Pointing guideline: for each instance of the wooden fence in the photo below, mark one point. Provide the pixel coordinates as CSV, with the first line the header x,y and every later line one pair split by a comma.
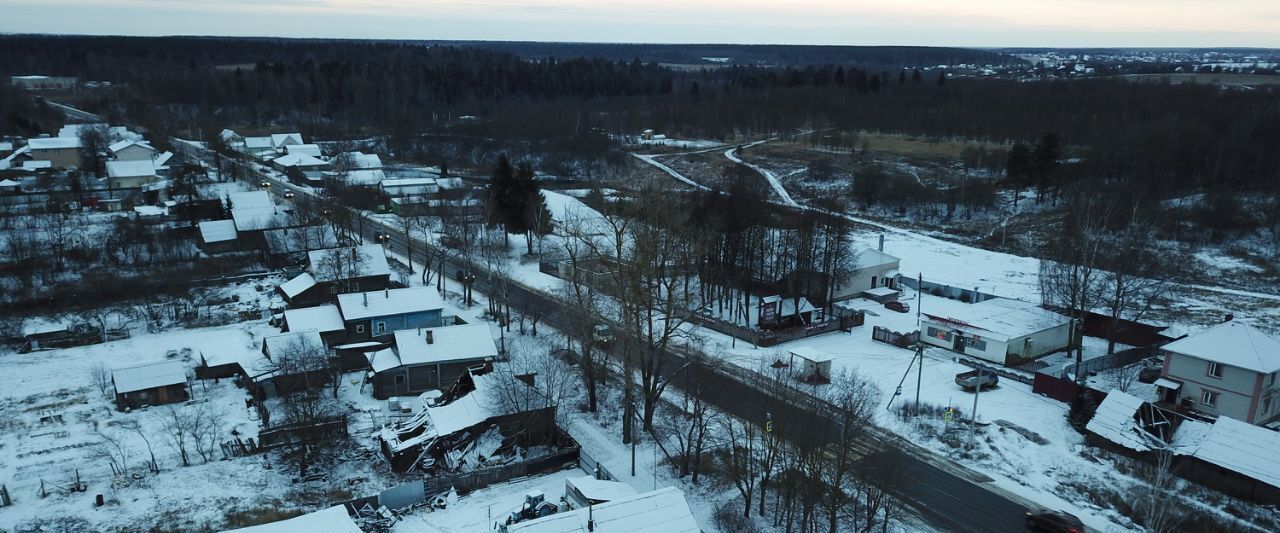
x,y
479,479
321,429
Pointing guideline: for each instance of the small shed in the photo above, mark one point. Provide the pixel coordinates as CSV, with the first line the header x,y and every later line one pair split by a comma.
x,y
815,366
150,384
217,236
325,319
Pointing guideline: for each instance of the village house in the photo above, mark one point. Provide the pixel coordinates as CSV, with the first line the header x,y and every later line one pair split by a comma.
x,y
130,150
150,384
302,291
294,360
312,150
1231,369
324,319
253,213
368,315
430,358
131,174
60,152
311,167
999,330
281,140
408,187
351,269
257,146
872,273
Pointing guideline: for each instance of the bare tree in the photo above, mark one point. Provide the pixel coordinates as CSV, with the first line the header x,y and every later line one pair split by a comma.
x,y
1133,279
95,146
103,317
113,449
134,426
1158,503
100,375
206,430
176,424
342,266
740,462
1070,273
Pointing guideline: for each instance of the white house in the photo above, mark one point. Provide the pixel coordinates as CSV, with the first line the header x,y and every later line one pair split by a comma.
x,y
131,174
869,269
998,330
128,150
397,188
281,140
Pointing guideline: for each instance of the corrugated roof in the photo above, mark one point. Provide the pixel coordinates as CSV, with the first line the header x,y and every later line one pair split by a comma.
x,y
218,230
660,511
324,318
309,340
298,285
148,376
250,200
1114,421
1001,318
131,169
448,344
372,262
1243,448
1233,343
54,143
361,305
600,489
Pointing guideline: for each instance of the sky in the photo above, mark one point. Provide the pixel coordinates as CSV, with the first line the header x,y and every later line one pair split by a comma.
x,y
970,23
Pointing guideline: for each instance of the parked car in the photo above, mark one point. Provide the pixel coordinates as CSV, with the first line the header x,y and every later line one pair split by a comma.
x,y
977,378
899,306
1056,521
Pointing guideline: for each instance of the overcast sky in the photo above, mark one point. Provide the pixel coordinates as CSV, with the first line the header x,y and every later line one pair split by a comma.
x,y
978,23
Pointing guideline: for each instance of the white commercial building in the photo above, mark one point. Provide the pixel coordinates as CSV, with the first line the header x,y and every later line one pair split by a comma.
x,y
998,330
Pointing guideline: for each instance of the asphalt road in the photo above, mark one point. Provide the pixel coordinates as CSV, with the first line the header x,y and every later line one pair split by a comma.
x,y
946,495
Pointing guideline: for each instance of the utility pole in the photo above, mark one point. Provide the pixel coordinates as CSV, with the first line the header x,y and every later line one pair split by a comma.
x,y
919,297
973,417
919,373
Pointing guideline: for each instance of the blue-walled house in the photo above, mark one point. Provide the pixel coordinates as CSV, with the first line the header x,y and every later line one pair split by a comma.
x,y
378,314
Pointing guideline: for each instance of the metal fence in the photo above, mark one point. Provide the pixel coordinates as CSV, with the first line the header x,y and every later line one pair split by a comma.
x,y
1108,362
901,340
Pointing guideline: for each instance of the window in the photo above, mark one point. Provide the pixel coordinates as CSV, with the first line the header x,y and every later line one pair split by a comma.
x,y
939,333
382,327
399,379
976,343
1215,370
1209,398
359,328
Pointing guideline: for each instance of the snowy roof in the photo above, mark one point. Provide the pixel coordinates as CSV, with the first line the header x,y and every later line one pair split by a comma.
x,y
163,159
298,160
361,305
150,210
1114,421
359,160
599,489
881,291
788,306
1232,343
279,343
250,199
116,147
383,360
408,182
363,177
871,257
131,169
1002,318
255,218
661,511
54,143
810,354
218,231
298,285
373,262
149,376
324,318
462,413
280,139
258,143
73,130
331,520
1243,448
448,344
8,183
289,240
303,149
228,136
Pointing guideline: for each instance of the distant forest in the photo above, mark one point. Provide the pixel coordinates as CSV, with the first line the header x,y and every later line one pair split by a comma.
x,y
1154,140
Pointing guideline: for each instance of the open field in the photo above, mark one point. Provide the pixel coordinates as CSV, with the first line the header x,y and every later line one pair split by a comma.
x,y
1240,80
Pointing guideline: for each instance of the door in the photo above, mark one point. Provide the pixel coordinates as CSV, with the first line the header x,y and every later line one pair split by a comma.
x,y
959,343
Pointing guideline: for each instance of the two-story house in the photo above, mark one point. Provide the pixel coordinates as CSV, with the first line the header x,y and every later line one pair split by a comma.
x,y
1231,369
378,314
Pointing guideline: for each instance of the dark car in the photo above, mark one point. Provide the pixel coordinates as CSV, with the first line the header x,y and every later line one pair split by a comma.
x,y
899,306
1056,521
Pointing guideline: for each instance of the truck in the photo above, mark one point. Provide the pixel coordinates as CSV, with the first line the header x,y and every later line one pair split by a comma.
x,y
977,378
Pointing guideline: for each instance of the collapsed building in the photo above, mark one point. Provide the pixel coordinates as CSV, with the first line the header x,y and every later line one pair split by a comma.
x,y
478,422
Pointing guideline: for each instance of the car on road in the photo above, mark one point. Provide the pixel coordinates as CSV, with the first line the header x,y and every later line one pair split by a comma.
x,y
1056,521
899,306
288,195
265,184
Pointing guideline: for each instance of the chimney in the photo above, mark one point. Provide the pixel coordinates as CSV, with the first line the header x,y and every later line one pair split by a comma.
x,y
881,242
366,298
430,338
